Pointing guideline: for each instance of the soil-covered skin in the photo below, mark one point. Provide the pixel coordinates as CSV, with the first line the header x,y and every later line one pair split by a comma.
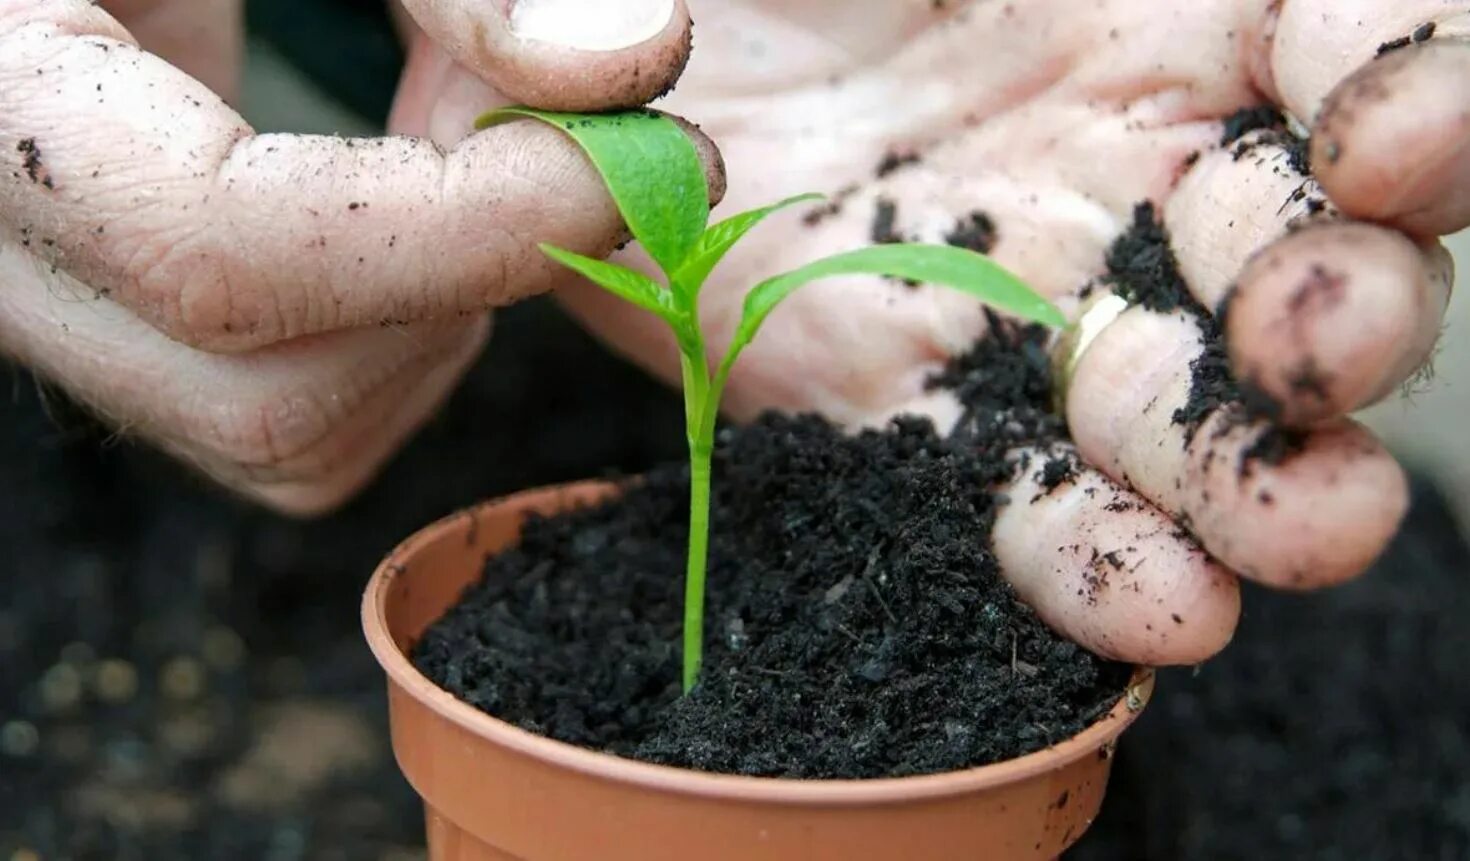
x,y
1275,131
1142,269
1423,33
1332,728
858,623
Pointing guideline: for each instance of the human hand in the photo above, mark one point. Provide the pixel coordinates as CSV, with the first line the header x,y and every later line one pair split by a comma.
x,y
1054,120
283,310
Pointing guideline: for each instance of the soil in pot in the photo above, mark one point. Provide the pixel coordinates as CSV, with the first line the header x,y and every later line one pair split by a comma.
x,y
857,623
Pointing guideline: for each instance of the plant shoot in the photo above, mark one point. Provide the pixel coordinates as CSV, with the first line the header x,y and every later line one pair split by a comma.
x,y
658,184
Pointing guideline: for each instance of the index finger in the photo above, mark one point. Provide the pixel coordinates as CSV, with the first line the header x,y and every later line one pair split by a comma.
x,y
137,180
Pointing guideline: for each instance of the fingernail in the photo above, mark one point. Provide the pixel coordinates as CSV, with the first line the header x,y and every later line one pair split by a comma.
x,y
590,25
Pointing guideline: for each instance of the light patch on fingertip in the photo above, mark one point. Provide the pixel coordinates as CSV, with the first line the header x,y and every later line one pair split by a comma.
x,y
590,25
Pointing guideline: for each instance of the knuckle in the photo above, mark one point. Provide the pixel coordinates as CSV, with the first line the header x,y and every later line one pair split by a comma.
x,y
187,287
300,438
287,451
265,434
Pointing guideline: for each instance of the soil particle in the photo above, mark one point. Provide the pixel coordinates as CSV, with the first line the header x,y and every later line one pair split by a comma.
x,y
884,231
1058,471
832,207
1272,447
885,214
893,161
1246,120
975,231
866,629
1275,132
1142,268
1423,33
31,161
1298,153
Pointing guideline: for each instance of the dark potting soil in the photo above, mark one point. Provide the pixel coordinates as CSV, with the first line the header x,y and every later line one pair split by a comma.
x,y
858,625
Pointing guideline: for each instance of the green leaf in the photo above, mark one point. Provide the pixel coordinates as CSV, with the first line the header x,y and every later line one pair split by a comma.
x,y
719,239
958,268
651,169
624,283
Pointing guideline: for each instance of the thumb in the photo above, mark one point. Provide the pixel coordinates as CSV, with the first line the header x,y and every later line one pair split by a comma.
x,y
570,55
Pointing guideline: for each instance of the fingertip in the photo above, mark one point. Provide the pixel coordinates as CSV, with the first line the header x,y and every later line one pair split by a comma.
x,y
1370,494
1392,141
566,55
1298,512
1109,571
1330,319
709,155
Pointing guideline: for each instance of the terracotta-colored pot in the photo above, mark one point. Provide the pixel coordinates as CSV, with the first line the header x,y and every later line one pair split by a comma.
x,y
493,791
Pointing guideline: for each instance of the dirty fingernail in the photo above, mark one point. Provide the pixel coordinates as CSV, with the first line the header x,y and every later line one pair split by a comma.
x,y
590,25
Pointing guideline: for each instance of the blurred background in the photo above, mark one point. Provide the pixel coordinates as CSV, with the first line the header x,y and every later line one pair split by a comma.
x,y
182,677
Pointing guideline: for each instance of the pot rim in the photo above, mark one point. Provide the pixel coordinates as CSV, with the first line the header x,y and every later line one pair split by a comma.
x,y
1099,735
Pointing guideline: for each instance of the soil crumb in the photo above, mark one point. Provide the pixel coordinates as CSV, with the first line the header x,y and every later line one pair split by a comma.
x,y
1423,33
857,624
885,215
830,208
1247,120
1277,132
30,158
975,231
893,161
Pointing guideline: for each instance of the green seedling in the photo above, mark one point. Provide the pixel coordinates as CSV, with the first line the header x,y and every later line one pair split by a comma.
x,y
656,180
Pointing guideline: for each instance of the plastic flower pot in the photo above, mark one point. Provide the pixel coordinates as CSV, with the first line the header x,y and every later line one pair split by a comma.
x,y
493,791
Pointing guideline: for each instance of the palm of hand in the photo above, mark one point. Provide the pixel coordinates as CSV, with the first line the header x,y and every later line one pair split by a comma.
x,y
1053,122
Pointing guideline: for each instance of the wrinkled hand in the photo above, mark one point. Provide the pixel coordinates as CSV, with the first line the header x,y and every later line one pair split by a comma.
x,y
1055,118
284,310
